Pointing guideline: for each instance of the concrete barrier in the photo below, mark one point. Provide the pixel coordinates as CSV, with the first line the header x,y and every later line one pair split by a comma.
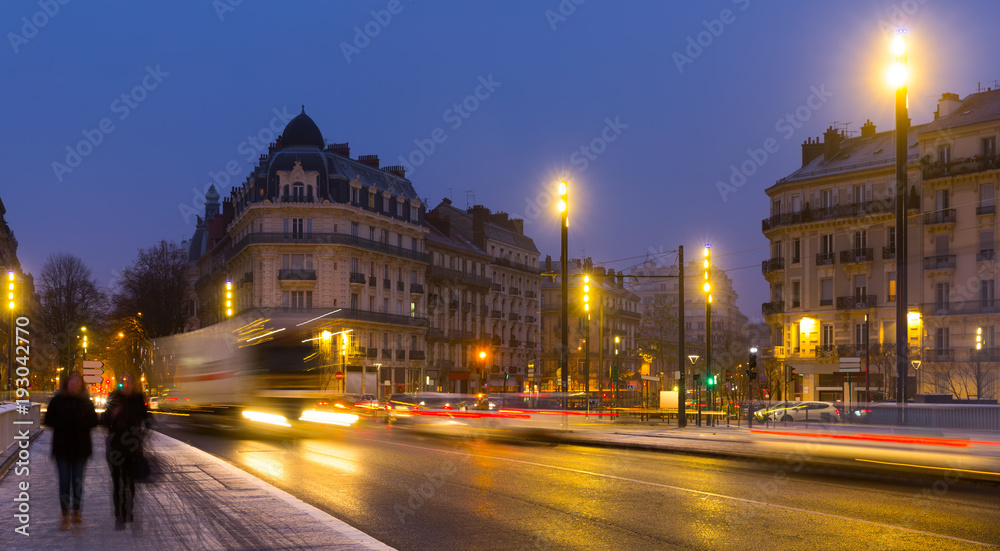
x,y
11,423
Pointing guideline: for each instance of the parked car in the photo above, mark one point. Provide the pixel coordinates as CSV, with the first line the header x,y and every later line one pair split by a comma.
x,y
823,412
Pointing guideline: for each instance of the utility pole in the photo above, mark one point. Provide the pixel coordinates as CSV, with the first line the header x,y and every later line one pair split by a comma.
x,y
708,327
586,352
902,129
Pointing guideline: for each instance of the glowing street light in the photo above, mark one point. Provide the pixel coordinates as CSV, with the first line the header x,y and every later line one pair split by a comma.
x,y
898,79
564,289
229,299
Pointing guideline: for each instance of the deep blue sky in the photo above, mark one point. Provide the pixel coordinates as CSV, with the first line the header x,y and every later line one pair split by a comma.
x,y
652,188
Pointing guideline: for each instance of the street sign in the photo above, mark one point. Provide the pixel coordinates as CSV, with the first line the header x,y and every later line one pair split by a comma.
x,y
339,375
650,378
850,360
677,375
850,369
93,372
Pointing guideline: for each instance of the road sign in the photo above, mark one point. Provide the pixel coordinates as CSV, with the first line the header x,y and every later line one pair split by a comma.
x,y
850,360
650,378
677,375
850,368
339,375
93,372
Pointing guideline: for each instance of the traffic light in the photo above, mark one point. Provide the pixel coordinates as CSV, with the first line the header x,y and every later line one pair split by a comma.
x,y
790,369
753,358
710,381
506,376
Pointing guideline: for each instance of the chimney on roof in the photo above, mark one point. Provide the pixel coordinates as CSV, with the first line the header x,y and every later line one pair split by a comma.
x,y
517,225
868,129
548,263
621,279
395,170
831,143
479,215
442,224
948,104
810,150
369,160
342,149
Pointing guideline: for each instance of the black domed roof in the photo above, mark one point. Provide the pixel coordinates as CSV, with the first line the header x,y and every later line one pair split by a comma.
x,y
302,131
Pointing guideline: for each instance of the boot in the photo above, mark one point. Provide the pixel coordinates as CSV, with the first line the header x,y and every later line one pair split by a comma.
x,y
66,522
76,516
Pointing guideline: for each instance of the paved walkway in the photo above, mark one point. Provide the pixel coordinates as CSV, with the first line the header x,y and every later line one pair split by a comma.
x,y
201,502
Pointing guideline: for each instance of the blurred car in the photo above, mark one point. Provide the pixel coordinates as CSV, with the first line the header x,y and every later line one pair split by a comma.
x,y
412,407
765,412
823,412
154,402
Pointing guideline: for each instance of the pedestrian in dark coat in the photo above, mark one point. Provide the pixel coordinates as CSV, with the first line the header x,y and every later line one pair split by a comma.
x,y
126,418
71,415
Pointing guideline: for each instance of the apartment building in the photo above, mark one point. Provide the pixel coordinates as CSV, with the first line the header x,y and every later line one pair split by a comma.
x,y
832,263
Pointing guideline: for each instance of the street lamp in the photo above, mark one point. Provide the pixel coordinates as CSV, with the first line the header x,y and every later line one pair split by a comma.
x,y
586,352
707,287
897,78
564,238
229,299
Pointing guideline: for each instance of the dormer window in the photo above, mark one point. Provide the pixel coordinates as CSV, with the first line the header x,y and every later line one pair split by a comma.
x,y
298,192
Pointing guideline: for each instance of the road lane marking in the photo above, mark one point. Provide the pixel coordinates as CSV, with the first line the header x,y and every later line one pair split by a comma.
x,y
926,467
696,492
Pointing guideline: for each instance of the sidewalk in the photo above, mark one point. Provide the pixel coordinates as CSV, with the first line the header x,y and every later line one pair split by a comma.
x,y
200,502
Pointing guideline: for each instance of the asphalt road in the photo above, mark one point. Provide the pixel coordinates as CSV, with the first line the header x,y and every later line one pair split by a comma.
x,y
414,491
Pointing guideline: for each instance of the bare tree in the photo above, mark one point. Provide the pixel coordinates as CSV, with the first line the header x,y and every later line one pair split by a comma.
x,y
155,285
69,300
658,334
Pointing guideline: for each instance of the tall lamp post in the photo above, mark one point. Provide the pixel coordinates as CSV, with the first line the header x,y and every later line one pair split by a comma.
x,y
482,359
707,287
897,77
586,352
564,238
13,341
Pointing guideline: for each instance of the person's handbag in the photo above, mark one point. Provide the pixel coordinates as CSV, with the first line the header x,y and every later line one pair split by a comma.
x,y
146,468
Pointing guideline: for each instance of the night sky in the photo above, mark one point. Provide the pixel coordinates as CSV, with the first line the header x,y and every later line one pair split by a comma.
x,y
618,97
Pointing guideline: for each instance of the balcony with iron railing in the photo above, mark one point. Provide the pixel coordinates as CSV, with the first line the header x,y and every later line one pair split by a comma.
x,y
968,165
985,255
495,288
416,288
851,350
529,344
400,286
357,277
514,265
943,216
856,256
387,284
826,351
418,355
826,259
496,314
529,319
530,294
939,262
772,265
514,291
514,316
850,210
297,274
401,354
324,239
962,308
456,275
372,281
856,302
889,252
986,209
772,308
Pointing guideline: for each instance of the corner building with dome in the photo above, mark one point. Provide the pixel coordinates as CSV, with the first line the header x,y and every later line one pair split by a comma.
x,y
317,245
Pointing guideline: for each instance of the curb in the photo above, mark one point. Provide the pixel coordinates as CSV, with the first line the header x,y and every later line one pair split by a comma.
x,y
797,464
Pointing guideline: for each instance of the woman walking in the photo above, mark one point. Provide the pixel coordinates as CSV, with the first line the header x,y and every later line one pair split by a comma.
x,y
125,417
71,415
